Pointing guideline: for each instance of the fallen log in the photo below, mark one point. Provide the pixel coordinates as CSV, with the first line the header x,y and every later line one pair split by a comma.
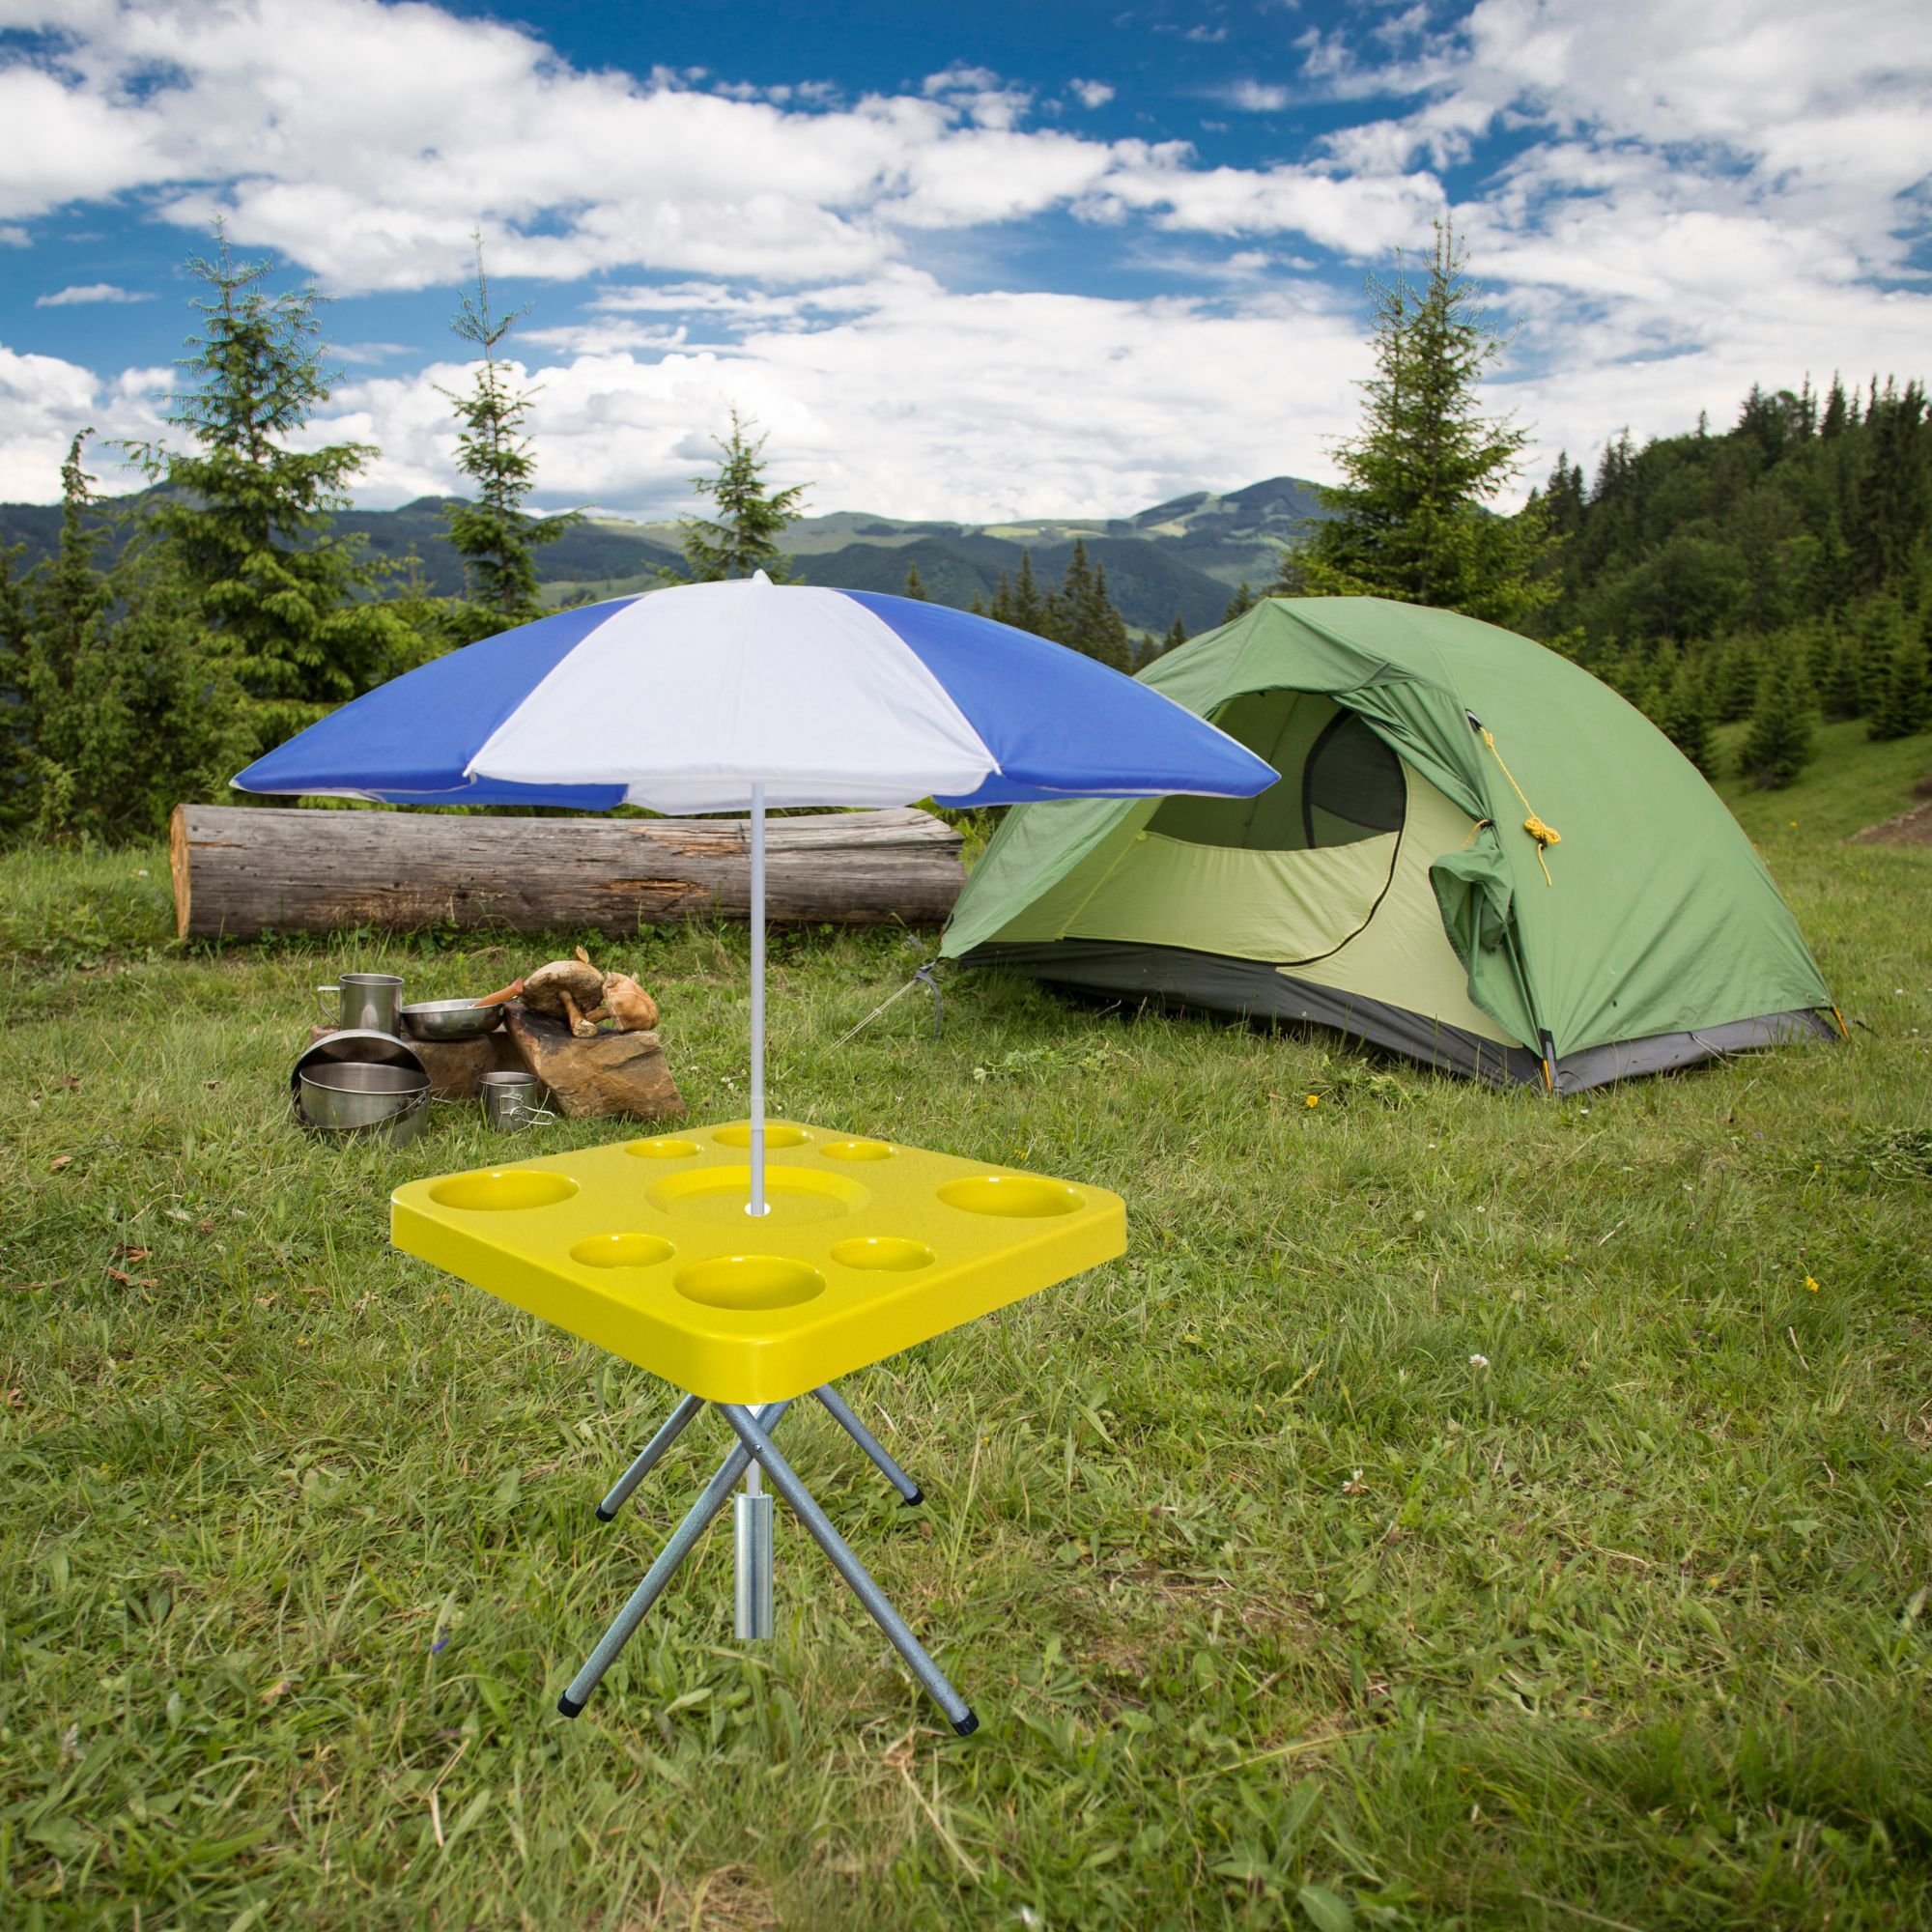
x,y
241,870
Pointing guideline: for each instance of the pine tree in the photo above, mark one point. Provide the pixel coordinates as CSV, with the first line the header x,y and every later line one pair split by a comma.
x,y
915,586
1904,704
247,517
1103,628
1239,604
743,537
1025,606
1894,496
1781,739
17,750
1411,522
495,537
1683,717
124,709
1176,635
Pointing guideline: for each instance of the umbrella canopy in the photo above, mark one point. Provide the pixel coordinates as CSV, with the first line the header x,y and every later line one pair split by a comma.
x,y
735,695
683,700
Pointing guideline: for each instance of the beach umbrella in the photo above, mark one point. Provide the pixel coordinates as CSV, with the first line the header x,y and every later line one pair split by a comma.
x,y
746,696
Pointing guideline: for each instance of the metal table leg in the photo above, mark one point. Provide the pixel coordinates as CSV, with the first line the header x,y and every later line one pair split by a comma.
x,y
835,1404
757,1441
716,1493
650,1455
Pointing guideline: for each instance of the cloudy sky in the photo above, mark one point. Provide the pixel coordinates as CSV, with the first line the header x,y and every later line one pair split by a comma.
x,y
999,260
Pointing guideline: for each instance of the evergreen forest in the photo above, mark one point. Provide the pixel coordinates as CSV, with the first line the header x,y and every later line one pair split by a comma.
x,y
1779,569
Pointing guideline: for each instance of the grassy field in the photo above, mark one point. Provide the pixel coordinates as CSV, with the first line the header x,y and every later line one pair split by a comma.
x,y
1458,1509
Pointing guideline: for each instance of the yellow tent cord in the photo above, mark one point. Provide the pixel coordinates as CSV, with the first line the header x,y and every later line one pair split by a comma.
x,y
1543,834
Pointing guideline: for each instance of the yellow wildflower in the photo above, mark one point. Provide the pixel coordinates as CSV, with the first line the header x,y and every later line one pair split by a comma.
x,y
1313,1100
1810,1284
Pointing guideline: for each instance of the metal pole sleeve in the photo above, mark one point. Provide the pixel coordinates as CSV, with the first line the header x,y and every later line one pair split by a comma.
x,y
757,911
717,1493
785,1482
650,1455
868,1442
751,1544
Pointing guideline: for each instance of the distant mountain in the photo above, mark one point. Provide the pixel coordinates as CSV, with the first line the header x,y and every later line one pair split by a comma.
x,y
1183,556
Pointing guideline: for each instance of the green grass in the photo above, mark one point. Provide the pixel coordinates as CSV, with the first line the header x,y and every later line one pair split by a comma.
x,y
1457,1510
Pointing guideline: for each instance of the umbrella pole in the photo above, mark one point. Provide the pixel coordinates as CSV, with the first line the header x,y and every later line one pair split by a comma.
x,y
757,1205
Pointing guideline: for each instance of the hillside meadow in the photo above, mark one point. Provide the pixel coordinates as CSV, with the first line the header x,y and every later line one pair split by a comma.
x,y
1458,1508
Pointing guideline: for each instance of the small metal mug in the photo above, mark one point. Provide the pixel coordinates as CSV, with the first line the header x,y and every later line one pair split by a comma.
x,y
370,999
510,1100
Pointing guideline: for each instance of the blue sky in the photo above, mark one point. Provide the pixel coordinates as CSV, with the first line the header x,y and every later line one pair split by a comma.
x,y
979,262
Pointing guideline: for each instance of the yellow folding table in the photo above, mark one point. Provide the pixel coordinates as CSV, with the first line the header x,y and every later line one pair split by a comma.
x,y
645,1248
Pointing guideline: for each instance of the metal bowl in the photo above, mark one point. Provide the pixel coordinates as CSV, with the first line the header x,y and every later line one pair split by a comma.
x,y
348,1096
451,1019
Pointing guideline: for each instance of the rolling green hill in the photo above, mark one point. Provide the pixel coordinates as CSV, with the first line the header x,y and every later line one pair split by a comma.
x,y
1185,555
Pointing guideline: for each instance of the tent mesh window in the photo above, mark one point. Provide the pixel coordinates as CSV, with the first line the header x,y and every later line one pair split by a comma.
x,y
1340,784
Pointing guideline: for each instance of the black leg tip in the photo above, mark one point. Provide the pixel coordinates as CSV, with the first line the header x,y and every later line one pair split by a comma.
x,y
569,1705
913,1501
606,1516
967,1725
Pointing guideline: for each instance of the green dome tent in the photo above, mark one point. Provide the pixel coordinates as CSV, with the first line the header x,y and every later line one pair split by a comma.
x,y
1477,855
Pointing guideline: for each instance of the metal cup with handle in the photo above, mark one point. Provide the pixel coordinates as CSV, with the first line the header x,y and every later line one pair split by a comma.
x,y
510,1100
369,1000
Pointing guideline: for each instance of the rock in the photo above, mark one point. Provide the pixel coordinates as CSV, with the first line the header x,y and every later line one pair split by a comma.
x,y
456,1066
611,1072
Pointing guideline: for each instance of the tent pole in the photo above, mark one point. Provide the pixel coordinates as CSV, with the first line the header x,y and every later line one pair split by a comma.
x,y
756,1206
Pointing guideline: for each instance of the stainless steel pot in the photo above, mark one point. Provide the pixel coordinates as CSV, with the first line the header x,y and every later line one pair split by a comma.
x,y
384,1071
351,1094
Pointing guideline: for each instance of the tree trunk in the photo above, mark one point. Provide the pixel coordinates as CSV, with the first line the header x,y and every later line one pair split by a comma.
x,y
239,871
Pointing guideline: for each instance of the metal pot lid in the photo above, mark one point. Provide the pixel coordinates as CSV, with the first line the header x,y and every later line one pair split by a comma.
x,y
358,1043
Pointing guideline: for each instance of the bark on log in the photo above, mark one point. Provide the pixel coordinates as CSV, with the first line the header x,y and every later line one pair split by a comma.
x,y
240,871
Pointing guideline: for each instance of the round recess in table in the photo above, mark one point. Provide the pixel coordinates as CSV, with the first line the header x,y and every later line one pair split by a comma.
x,y
623,1251
662,1147
856,1150
793,1195
1016,1196
750,1282
777,1134
883,1251
502,1188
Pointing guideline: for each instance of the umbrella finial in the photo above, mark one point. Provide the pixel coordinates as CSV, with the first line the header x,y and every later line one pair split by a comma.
x,y
760,576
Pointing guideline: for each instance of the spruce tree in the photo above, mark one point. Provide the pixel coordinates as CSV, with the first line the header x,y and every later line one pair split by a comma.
x,y
1239,604
247,517
494,536
915,586
743,537
1025,608
1781,740
1411,520
125,708
16,753
1683,715
1904,706
1176,635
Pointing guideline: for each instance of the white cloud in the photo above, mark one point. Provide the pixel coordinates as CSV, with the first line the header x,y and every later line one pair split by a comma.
x,y
367,141
92,291
44,402
1674,202
1256,96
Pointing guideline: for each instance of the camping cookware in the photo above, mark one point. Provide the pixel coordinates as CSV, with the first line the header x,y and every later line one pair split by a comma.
x,y
451,1019
371,1001
510,1101
344,1096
